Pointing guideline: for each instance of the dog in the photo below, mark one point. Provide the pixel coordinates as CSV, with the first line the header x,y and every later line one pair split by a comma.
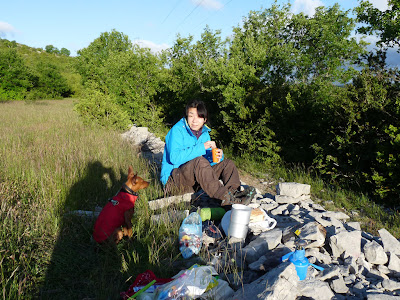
x,y
115,219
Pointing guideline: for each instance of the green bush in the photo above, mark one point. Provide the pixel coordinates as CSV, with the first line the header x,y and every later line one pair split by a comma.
x,y
98,107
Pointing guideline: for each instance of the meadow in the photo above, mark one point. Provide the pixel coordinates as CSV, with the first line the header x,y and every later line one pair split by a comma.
x,y
52,164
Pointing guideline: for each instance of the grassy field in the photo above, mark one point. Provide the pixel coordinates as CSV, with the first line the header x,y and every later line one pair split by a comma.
x,y
52,164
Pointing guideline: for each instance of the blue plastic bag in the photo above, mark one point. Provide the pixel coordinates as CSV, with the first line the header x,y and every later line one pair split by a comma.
x,y
190,235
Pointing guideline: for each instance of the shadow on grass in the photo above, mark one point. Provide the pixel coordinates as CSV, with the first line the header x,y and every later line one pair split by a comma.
x,y
79,268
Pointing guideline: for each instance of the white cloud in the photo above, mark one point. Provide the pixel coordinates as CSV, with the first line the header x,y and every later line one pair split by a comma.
x,y
153,46
209,4
380,4
306,6
6,28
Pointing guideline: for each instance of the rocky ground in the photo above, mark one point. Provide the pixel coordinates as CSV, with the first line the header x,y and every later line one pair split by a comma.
x,y
342,261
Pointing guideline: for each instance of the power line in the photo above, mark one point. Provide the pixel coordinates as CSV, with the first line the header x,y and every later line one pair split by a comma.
x,y
176,5
190,13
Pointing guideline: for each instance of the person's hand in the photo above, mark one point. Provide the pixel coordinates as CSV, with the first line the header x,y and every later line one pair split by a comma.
x,y
210,144
219,154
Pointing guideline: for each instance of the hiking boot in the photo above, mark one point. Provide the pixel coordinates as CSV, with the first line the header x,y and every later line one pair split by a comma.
x,y
230,199
246,195
243,197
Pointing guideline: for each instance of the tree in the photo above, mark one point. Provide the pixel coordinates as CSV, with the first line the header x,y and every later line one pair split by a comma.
x,y
49,83
384,23
65,52
90,61
52,49
15,77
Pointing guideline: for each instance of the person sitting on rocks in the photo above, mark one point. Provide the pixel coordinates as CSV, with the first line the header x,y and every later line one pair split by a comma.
x,y
187,163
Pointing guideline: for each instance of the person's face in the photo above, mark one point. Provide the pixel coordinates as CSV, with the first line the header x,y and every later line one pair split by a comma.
x,y
195,122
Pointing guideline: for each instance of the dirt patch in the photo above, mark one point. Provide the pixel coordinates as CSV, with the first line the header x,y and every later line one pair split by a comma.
x,y
263,185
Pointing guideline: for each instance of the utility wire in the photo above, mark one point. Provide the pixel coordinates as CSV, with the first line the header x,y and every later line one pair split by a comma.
x,y
198,4
176,5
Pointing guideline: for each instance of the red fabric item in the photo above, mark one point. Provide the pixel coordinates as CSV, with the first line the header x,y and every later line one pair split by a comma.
x,y
142,280
112,216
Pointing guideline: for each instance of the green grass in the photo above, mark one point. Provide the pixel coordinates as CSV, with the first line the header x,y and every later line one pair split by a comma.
x,y
50,164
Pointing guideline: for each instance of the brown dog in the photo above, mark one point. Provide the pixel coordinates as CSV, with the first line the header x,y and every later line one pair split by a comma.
x,y
114,221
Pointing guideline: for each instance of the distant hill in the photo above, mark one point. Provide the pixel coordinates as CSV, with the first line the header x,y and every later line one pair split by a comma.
x,y
44,70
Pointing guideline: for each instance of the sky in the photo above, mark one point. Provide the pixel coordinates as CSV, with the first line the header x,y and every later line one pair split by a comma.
x,y
74,24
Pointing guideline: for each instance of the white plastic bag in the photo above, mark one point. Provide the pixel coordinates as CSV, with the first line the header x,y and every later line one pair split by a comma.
x,y
190,235
189,285
267,224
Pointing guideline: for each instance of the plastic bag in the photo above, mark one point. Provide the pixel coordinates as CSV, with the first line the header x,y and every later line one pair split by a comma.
x,y
142,280
268,223
189,285
190,235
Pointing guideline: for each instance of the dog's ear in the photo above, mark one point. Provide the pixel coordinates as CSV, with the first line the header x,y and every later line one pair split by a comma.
x,y
130,170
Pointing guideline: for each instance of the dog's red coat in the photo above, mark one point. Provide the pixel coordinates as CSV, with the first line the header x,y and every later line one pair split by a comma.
x,y
112,216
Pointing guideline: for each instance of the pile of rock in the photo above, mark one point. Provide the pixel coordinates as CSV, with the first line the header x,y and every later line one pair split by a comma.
x,y
151,147
357,265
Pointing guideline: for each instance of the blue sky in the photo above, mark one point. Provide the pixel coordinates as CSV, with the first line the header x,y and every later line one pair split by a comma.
x,y
75,24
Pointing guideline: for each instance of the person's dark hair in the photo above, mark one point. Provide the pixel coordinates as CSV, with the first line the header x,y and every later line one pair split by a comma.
x,y
201,108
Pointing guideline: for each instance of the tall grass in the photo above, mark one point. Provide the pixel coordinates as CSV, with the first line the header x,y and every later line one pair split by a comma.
x,y
52,164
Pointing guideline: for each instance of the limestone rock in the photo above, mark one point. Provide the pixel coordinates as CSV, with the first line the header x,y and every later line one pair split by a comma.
x,y
390,285
346,241
390,243
336,214
264,242
374,253
314,232
339,286
394,263
315,289
278,284
293,189
283,199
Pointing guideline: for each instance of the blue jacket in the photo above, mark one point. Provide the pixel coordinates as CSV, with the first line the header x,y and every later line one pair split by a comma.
x,y
181,146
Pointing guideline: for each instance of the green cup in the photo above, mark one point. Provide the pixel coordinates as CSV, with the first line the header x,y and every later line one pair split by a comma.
x,y
213,214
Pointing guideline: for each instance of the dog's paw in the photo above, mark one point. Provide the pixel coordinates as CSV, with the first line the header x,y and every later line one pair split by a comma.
x,y
128,232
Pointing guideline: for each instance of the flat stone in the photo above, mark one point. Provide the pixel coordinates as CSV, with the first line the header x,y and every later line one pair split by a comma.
x,y
394,262
279,210
270,260
293,189
346,241
314,232
350,279
269,206
264,242
383,269
390,243
376,296
283,199
318,207
315,289
353,226
323,221
339,286
328,273
390,285
279,284
336,214
337,223
374,253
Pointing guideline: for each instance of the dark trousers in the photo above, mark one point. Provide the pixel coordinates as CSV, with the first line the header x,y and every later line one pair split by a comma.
x,y
199,173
